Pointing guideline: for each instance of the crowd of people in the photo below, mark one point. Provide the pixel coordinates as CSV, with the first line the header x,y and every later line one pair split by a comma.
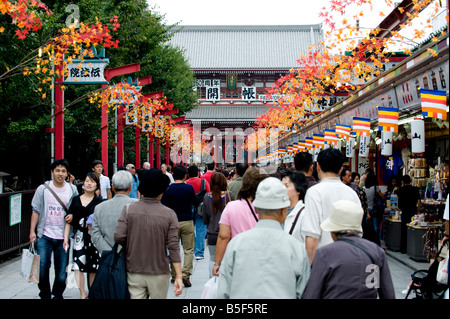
x,y
307,231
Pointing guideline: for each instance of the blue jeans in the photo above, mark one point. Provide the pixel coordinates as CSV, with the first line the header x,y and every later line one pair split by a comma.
x,y
45,247
200,236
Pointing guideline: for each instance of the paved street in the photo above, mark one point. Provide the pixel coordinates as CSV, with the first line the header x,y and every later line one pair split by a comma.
x,y
13,286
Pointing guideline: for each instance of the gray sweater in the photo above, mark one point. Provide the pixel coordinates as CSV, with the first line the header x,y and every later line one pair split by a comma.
x,y
39,203
104,224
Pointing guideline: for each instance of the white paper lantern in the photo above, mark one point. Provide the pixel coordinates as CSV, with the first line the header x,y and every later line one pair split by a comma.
x,y
364,146
386,143
417,136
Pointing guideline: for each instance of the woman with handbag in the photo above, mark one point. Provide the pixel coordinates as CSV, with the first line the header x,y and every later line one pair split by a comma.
x,y
375,206
213,205
240,215
85,255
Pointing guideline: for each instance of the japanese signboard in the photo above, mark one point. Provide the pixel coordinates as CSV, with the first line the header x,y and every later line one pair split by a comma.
x,y
249,93
15,209
86,72
212,89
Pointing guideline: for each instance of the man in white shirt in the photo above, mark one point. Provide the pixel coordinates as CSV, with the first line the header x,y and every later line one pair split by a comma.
x,y
320,198
265,262
105,184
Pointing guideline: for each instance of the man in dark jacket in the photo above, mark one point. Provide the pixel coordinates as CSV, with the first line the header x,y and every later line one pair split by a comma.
x,y
409,204
181,198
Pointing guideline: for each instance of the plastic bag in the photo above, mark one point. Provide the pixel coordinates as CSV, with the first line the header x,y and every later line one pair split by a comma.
x,y
29,267
210,288
442,272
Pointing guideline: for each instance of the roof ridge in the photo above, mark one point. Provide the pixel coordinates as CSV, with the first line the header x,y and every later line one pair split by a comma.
x,y
223,28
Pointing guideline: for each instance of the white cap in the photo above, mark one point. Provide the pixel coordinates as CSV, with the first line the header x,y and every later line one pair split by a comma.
x,y
345,215
271,194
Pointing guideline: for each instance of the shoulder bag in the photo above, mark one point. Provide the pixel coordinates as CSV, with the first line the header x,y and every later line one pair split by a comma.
x,y
57,198
110,281
199,208
295,220
250,206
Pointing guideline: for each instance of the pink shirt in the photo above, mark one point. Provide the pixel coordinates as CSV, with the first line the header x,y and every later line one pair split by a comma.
x,y
238,216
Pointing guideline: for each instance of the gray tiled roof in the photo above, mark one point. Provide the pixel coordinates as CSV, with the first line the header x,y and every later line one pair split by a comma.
x,y
245,47
226,112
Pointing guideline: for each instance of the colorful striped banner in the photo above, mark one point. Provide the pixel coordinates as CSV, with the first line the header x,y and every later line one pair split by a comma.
x,y
434,103
318,140
309,143
343,131
330,136
388,119
301,145
295,147
290,149
361,126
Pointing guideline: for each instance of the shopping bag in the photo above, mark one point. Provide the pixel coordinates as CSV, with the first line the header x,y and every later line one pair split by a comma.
x,y
442,272
70,280
111,278
29,266
210,288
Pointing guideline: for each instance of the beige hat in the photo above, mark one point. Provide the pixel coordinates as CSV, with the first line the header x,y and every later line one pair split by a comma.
x,y
271,194
345,215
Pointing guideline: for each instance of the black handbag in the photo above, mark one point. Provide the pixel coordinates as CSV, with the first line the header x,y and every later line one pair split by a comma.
x,y
111,278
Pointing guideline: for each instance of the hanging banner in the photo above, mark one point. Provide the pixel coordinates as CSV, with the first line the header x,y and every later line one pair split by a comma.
x,y
350,149
434,103
417,136
386,143
387,119
364,146
361,126
343,131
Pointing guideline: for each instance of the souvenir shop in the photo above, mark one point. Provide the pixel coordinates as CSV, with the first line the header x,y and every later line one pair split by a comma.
x,y
422,152
418,146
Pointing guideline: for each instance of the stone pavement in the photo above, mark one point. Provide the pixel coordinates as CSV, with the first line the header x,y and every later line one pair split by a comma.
x,y
13,286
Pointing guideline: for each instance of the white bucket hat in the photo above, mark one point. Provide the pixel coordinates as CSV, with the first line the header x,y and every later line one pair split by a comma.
x,y
271,194
345,215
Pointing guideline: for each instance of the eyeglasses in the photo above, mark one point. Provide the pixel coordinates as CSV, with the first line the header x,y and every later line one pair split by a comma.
x,y
132,167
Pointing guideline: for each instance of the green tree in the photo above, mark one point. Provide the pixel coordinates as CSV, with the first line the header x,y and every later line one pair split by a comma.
x,y
143,36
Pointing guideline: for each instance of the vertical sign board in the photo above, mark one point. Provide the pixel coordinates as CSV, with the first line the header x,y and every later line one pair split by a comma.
x,y
212,90
15,209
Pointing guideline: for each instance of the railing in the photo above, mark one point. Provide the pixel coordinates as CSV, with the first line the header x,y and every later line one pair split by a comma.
x,y
14,237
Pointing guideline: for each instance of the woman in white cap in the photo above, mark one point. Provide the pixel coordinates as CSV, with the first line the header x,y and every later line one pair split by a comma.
x,y
351,267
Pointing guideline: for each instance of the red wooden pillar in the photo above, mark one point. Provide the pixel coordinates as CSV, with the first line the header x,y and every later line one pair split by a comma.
x,y
120,136
59,115
109,74
158,153
104,136
167,152
137,148
150,150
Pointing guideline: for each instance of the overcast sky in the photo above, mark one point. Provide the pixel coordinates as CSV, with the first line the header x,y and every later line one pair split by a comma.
x,y
245,12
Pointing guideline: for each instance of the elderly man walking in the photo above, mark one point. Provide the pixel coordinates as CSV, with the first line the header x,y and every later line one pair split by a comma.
x,y
265,262
107,213
351,267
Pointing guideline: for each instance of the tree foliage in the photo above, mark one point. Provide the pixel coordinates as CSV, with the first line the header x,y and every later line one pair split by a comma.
x,y
26,95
